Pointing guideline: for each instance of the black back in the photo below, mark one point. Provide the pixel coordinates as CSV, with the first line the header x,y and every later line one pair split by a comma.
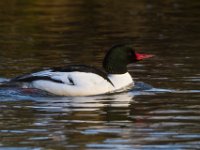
x,y
82,68
70,68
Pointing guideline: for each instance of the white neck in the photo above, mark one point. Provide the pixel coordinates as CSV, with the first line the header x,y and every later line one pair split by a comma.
x,y
121,80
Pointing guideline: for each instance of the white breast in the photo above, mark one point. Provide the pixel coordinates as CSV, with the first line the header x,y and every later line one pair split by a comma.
x,y
121,80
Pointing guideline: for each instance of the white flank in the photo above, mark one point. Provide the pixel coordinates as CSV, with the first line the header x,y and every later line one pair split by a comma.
x,y
85,84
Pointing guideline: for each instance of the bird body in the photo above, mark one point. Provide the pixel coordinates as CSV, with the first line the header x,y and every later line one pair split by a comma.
x,y
82,80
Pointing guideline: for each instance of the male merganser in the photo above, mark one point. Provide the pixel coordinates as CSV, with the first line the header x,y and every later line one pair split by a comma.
x,y
82,80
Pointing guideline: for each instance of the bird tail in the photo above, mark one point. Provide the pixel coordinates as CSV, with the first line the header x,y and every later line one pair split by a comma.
x,y
8,83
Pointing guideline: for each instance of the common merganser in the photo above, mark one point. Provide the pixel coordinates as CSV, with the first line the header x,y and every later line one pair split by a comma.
x,y
82,80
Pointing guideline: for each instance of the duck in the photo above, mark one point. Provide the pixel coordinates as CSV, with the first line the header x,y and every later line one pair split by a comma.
x,y
85,80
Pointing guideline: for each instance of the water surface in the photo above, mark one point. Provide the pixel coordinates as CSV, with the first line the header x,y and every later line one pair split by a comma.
x,y
161,112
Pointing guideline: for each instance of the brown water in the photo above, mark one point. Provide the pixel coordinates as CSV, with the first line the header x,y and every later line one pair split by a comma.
x,y
162,112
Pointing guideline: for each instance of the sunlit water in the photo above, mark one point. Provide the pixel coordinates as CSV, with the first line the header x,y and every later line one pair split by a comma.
x,y
161,112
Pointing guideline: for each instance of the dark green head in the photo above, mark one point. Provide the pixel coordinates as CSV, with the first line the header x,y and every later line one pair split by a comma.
x,y
119,56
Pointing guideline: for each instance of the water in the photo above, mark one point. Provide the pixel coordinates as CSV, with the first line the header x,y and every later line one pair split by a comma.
x,y
161,112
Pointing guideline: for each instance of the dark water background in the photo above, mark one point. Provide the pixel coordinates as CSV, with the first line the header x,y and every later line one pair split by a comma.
x,y
40,33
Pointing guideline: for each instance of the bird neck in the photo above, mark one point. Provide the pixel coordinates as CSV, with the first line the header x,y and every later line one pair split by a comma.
x,y
113,66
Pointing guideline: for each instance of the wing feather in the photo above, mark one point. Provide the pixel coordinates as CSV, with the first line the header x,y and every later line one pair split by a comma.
x,y
42,75
60,74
